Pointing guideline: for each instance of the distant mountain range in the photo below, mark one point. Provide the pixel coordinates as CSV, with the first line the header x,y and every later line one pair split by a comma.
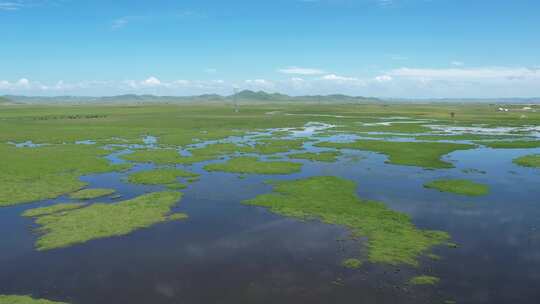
x,y
244,97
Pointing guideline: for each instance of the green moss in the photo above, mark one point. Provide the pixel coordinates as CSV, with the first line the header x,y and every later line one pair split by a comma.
x,y
87,194
166,176
421,154
392,238
254,166
51,209
322,156
31,174
433,257
104,220
516,144
458,186
424,280
528,161
24,300
352,263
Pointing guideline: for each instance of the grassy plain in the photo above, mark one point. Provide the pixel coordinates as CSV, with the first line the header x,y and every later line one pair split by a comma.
x,y
330,156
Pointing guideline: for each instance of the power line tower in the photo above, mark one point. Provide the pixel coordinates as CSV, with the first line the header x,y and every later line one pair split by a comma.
x,y
235,100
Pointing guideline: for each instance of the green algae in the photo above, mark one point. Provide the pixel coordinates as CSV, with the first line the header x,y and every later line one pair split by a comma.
x,y
32,174
51,209
97,221
330,156
424,280
392,238
352,263
254,166
532,161
14,299
515,144
87,194
458,186
165,176
421,154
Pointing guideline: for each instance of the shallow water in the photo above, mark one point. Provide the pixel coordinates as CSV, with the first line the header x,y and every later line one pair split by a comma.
x,y
227,252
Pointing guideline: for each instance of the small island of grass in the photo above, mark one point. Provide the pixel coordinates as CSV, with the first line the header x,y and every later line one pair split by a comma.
x,y
532,161
421,154
424,280
392,238
352,263
458,186
254,166
87,194
11,299
96,221
51,209
514,144
166,176
322,156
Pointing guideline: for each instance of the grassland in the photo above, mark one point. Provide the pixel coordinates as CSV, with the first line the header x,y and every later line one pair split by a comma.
x,y
252,165
392,238
272,146
11,299
424,280
87,194
70,227
330,156
31,174
532,161
421,154
458,186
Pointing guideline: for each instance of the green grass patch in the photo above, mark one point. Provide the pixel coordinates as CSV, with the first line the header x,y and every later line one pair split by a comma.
x,y
459,186
392,238
421,154
395,127
272,146
51,209
166,176
254,166
321,156
87,194
424,280
528,161
352,263
32,174
97,221
516,144
465,136
11,299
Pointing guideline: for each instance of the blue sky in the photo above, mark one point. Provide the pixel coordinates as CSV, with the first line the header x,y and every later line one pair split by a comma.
x,y
385,48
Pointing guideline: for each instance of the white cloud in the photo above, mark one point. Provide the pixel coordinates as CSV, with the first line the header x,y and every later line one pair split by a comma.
x,y
457,63
334,77
383,78
10,6
301,71
151,82
495,73
120,23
